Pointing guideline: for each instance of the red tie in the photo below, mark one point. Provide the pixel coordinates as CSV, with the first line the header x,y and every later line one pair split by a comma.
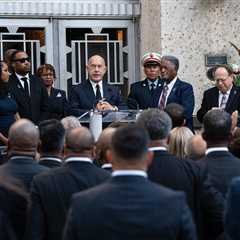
x,y
163,98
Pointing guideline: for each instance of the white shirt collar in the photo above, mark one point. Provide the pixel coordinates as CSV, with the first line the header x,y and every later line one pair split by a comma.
x,y
106,165
216,149
227,93
51,159
78,159
20,79
157,149
100,83
129,173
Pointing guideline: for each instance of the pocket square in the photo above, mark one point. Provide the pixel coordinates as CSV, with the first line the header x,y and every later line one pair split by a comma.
x,y
59,95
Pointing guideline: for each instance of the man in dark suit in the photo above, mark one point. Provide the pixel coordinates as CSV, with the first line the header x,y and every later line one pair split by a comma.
x,y
232,216
174,90
221,164
23,141
224,95
145,94
129,206
94,92
52,136
28,90
51,192
205,202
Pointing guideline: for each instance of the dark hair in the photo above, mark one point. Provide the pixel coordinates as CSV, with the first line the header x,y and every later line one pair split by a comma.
x,y
12,58
157,123
130,142
47,67
52,135
217,125
173,60
4,86
176,113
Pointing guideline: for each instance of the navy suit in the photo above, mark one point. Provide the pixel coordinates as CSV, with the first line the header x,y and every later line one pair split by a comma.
x,y
51,193
34,107
140,97
58,104
129,207
82,97
232,216
210,100
50,161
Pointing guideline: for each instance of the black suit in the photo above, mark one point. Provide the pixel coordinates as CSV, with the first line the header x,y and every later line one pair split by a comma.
x,y
210,100
141,97
222,167
51,194
50,161
205,202
129,207
22,168
82,97
34,107
58,104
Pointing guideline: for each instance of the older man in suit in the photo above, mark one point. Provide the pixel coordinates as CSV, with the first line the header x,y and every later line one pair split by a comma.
x,y
180,174
28,90
94,92
224,95
51,192
129,206
145,94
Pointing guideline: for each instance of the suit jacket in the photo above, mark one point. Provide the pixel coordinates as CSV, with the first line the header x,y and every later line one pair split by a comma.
x,y
50,161
205,202
232,216
140,97
182,93
51,193
222,167
21,168
129,207
82,97
34,107
210,100
58,104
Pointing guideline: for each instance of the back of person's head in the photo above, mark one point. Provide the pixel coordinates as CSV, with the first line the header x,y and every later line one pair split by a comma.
x,y
196,147
103,145
176,113
79,141
178,139
217,126
129,144
52,135
23,137
70,122
157,123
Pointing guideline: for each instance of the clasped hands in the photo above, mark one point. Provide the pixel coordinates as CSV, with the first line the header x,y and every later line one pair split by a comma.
x,y
104,106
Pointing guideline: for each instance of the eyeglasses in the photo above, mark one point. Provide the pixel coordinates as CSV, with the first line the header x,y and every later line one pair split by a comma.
x,y
221,80
22,60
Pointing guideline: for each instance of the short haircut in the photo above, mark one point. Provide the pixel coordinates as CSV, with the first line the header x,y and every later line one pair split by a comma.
x,y
217,125
70,122
173,60
130,142
176,113
157,123
47,67
12,58
52,135
227,67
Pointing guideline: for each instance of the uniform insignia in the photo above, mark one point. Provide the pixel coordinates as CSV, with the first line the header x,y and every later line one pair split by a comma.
x,y
144,85
18,86
59,95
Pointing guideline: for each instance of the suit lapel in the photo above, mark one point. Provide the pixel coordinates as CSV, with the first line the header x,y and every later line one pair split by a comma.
x,y
231,99
89,92
173,92
215,98
107,91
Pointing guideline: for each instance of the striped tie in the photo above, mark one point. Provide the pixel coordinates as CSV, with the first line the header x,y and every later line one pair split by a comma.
x,y
163,98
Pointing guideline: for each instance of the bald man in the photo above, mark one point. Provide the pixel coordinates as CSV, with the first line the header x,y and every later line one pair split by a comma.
x,y
23,141
51,192
95,92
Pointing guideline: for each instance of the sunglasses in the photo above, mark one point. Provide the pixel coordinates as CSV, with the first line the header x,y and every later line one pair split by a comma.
x,y
22,60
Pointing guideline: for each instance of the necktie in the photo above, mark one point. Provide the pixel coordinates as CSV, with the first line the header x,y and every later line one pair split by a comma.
x,y
163,98
98,93
26,88
223,102
152,88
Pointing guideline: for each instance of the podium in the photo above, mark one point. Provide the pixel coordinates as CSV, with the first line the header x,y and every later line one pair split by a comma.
x,y
98,120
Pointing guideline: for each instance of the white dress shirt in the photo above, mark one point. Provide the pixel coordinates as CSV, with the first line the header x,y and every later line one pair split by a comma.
x,y
94,87
129,173
216,149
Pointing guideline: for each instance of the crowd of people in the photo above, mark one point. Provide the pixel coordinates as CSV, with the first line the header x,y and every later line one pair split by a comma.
x,y
152,179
